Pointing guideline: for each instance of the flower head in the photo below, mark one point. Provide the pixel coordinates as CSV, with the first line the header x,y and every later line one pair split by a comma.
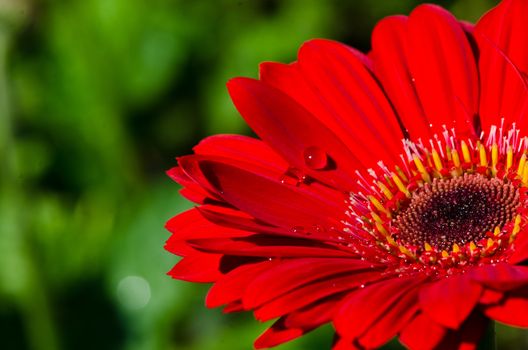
x,y
387,193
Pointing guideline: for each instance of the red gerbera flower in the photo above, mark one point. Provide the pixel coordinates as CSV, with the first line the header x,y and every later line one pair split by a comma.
x,y
330,217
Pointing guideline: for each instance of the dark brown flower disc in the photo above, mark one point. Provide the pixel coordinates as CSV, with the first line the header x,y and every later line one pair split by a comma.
x,y
457,210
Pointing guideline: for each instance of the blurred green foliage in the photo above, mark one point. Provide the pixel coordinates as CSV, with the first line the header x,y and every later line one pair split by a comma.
x,y
97,97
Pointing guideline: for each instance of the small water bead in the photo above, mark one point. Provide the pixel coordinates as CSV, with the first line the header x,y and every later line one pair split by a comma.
x,y
315,158
298,229
292,177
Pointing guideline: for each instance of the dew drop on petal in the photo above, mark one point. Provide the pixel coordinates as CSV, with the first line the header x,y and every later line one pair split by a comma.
x,y
297,229
318,228
293,177
315,158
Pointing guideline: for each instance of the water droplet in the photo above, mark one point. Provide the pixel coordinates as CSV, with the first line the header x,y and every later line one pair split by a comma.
x,y
297,229
315,158
293,177
362,286
318,229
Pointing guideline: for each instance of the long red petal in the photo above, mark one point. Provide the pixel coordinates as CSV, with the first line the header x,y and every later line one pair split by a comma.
x,y
372,303
389,46
294,273
444,68
267,199
449,301
358,105
199,267
512,310
501,277
313,292
422,333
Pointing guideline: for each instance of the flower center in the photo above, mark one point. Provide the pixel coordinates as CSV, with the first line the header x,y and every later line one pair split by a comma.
x,y
455,203
456,211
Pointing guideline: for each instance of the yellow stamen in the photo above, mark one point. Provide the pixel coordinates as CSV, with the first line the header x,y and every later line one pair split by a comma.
x,y
516,225
427,247
525,174
489,243
472,246
382,229
406,251
377,204
376,217
421,169
436,160
520,168
465,152
448,152
401,174
483,157
456,248
497,231
509,158
391,241
385,190
456,158
400,185
445,254
494,155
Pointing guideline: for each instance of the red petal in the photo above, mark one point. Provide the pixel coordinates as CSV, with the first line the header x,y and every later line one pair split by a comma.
x,y
313,315
505,25
236,219
269,200
277,334
345,344
268,246
520,248
291,130
422,333
449,301
192,225
394,320
512,311
468,336
502,276
242,149
444,69
313,292
297,324
294,273
503,89
232,286
191,190
372,303
490,296
502,38
389,46
357,103
197,268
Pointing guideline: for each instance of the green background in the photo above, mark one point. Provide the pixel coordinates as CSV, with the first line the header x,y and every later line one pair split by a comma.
x,y
97,98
